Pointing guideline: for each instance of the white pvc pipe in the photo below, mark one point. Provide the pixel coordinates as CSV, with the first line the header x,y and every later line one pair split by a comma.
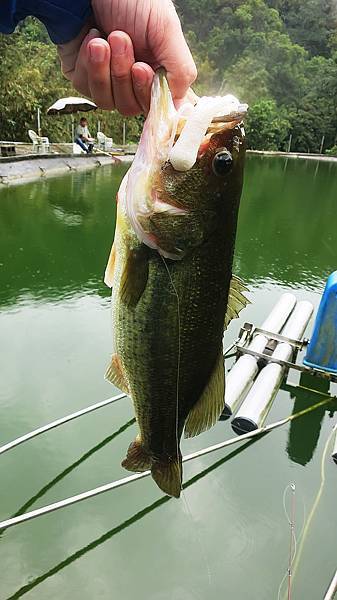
x,y
332,589
334,453
259,399
242,374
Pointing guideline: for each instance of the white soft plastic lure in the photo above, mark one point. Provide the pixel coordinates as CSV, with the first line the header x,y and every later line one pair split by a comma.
x,y
184,153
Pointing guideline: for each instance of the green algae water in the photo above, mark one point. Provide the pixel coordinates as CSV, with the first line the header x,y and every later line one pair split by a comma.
x,y
55,342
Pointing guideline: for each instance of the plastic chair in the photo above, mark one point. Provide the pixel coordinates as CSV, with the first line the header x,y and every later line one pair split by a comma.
x,y
77,149
104,143
40,144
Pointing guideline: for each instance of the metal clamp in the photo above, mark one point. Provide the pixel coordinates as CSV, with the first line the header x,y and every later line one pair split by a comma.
x,y
289,365
299,344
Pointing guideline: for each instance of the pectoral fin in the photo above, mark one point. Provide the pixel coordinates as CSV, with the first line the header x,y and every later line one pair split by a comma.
x,y
115,375
209,407
236,300
134,276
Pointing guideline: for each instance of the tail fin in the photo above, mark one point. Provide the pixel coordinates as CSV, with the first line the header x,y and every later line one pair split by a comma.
x,y
167,473
138,458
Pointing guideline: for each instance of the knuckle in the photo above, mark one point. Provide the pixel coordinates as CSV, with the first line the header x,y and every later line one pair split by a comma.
x,y
98,79
121,76
190,74
129,111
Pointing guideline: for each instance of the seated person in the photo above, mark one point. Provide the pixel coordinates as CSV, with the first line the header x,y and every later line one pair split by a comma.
x,y
83,137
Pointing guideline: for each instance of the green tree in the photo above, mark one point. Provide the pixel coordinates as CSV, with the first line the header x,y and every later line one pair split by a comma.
x,y
267,127
31,78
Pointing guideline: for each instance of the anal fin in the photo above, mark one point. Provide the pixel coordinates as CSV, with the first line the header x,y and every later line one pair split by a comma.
x,y
206,412
138,458
114,374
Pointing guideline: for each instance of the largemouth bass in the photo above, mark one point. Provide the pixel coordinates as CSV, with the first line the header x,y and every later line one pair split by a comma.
x,y
170,270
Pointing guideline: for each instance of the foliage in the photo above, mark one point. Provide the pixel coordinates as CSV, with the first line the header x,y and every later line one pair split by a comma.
x,y
31,78
280,56
268,128
332,151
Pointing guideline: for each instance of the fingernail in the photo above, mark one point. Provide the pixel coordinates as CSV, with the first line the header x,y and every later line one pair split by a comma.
x,y
97,53
94,33
118,45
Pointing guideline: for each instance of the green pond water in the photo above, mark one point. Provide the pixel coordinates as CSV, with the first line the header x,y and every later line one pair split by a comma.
x,y
229,537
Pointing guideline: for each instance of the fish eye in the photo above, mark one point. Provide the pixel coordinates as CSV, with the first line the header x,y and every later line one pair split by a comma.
x,y
222,163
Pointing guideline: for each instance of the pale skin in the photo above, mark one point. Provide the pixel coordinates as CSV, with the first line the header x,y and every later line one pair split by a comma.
x,y
114,62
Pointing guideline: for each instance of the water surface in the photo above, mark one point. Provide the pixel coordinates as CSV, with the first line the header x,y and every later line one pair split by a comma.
x,y
228,537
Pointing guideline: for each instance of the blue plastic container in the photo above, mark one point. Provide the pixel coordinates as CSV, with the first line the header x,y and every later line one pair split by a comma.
x,y
322,350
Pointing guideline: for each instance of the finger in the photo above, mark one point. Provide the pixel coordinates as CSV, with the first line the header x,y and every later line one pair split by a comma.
x,y
69,53
142,77
172,52
122,60
99,76
80,73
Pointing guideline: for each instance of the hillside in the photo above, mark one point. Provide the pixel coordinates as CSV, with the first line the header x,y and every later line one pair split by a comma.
x,y
280,56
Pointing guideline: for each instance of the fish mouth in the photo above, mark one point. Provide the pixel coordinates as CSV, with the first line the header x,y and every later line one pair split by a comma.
x,y
211,115
175,137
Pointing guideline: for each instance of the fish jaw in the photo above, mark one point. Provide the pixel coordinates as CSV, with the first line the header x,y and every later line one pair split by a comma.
x,y
154,148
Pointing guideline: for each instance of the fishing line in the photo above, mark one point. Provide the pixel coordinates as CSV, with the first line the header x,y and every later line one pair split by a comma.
x,y
315,504
187,507
179,353
294,540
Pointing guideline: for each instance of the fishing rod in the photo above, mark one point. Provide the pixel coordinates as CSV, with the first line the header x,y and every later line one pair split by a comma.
x,y
58,422
137,476
332,589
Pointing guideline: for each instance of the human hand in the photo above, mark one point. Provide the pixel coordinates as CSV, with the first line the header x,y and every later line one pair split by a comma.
x,y
118,72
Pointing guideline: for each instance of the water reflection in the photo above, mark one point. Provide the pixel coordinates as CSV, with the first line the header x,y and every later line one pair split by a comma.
x,y
304,433
287,225
69,469
44,252
119,528
55,235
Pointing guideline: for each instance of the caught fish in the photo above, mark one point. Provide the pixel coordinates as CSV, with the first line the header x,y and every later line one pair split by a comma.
x,y
170,270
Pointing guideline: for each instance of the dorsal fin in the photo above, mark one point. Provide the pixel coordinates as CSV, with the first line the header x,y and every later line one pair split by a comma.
x,y
236,300
206,412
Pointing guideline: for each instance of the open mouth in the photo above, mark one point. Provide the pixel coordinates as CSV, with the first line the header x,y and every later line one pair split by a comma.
x,y
177,137
209,116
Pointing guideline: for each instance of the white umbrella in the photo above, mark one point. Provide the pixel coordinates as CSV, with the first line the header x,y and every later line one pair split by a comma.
x,y
71,105
67,106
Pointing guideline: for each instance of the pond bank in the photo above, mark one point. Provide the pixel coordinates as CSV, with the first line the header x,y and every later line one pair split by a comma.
x,y
322,157
25,168
22,169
